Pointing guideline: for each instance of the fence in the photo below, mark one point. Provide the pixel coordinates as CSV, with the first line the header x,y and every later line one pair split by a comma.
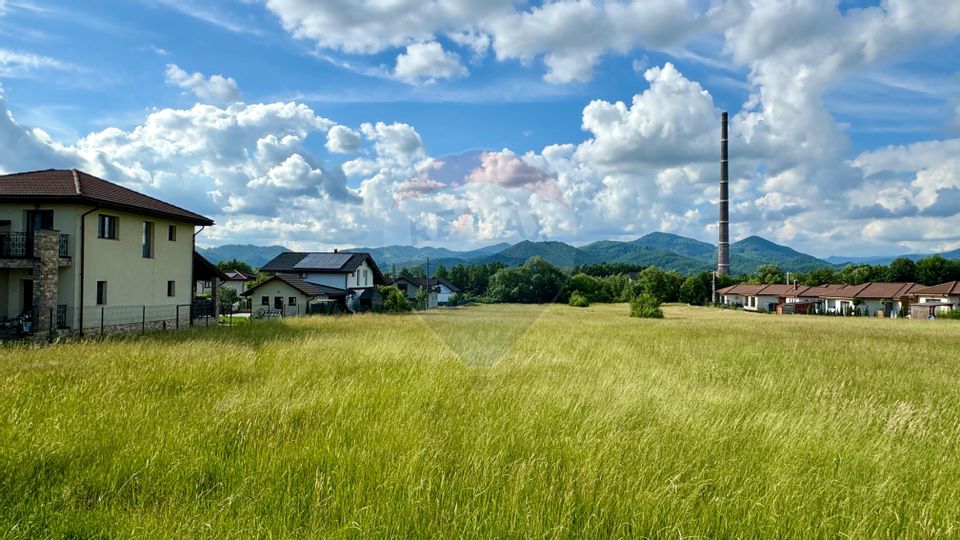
x,y
94,321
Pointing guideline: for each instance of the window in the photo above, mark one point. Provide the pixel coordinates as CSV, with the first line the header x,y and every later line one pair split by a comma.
x,y
365,280
171,288
107,226
101,293
292,301
264,300
147,250
172,233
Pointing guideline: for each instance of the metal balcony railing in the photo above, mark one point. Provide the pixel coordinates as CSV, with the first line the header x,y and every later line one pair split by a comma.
x,y
20,245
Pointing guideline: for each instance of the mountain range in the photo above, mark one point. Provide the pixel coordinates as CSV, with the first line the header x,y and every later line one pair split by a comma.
x,y
887,259
664,250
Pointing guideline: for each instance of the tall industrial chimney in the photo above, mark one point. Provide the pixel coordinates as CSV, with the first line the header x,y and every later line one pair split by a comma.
x,y
723,247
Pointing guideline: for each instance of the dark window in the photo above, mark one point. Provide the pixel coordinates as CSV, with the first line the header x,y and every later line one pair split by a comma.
x,y
264,300
292,301
107,226
171,288
101,293
172,233
39,219
147,250
277,302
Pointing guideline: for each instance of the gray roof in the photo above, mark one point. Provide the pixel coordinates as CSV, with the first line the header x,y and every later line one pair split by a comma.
x,y
321,262
305,287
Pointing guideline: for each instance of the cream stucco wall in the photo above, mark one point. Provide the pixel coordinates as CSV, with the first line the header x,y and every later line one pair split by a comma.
x,y
132,280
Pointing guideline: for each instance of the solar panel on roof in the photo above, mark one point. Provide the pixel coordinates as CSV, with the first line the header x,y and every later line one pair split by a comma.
x,y
327,261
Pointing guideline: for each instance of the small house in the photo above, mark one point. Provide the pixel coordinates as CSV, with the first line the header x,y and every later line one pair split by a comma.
x,y
936,299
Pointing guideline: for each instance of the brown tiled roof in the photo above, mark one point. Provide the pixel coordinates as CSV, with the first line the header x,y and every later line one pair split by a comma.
x,y
949,288
744,289
874,290
308,289
779,289
71,185
817,292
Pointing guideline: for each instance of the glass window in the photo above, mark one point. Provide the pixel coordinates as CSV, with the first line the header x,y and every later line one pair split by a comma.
x,y
147,250
172,233
292,301
107,226
101,293
171,288
264,300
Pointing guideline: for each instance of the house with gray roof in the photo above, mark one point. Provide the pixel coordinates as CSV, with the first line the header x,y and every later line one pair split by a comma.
x,y
355,273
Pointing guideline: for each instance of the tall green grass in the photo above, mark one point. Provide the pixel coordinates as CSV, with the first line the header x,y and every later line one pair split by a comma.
x,y
493,421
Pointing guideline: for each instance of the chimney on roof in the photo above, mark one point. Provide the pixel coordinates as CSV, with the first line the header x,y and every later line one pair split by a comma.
x,y
335,250
723,246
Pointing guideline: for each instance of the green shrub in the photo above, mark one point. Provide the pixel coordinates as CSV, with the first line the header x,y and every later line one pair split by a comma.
x,y
578,300
394,301
646,306
953,314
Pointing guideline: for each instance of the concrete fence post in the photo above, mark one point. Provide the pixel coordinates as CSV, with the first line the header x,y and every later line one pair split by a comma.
x,y
102,311
143,321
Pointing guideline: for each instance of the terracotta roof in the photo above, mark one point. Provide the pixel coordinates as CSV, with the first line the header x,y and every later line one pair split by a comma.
x,y
818,291
779,289
71,185
950,288
305,287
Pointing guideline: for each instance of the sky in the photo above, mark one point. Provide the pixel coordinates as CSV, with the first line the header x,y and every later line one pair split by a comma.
x,y
318,124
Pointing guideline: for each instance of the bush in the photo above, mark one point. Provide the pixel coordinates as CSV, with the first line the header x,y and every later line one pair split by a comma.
x,y
394,301
578,300
646,306
953,314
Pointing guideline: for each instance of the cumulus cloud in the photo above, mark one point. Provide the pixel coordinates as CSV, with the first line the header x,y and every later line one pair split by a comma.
x,y
342,140
427,62
214,89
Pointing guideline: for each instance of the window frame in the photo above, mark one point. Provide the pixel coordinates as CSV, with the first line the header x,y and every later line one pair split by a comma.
x,y
291,301
106,232
148,240
171,233
265,301
102,293
171,288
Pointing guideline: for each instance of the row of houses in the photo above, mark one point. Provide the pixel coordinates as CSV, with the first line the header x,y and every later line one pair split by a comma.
x,y
870,299
81,254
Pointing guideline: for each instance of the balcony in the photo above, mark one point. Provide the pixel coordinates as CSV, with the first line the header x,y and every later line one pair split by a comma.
x,y
19,246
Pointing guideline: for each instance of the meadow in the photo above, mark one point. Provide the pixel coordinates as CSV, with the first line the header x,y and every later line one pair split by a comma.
x,y
498,421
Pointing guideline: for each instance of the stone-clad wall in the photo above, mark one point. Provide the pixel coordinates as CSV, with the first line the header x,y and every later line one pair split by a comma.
x,y
46,276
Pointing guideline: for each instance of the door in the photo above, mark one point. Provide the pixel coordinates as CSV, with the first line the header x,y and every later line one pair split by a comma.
x,y
26,303
278,302
36,220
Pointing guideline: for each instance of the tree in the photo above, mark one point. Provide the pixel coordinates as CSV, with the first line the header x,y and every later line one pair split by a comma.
x,y
697,290
933,270
235,264
394,301
646,306
664,286
589,287
820,276
537,281
902,269
857,274
768,274
228,297
578,300
441,272
422,297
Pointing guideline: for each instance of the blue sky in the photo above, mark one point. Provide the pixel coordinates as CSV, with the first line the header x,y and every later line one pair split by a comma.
x,y
855,99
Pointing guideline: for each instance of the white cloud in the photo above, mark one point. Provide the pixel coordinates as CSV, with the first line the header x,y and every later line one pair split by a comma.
x,y
341,139
215,89
18,64
427,62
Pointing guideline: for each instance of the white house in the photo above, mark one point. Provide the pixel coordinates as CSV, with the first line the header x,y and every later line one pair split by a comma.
x,y
356,273
871,298
288,294
237,280
79,253
409,286
445,290
936,299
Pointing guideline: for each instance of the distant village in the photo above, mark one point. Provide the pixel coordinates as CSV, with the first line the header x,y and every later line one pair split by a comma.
x,y
82,256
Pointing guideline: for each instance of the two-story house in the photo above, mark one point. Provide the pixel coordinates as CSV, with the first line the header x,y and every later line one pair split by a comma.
x,y
354,275
79,252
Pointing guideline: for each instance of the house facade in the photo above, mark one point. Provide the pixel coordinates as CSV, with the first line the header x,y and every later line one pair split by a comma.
x,y
871,299
409,286
287,295
355,273
78,252
934,300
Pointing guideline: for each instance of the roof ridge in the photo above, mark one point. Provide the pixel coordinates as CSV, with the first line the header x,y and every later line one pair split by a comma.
x,y
76,182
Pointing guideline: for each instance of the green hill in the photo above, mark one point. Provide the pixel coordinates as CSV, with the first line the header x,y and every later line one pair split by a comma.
x,y
255,256
754,251
556,253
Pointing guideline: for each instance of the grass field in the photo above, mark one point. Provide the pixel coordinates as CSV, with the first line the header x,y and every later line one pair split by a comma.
x,y
492,421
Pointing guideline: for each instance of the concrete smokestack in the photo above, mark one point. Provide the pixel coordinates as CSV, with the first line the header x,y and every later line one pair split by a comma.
x,y
723,247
